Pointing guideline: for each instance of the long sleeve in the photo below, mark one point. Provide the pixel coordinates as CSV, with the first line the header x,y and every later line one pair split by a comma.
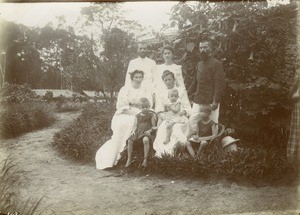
x,y
179,77
129,69
122,100
159,106
185,101
156,77
192,88
148,94
153,74
219,77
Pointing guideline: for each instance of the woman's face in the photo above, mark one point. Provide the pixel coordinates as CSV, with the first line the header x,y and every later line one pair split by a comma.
x,y
169,81
137,78
167,55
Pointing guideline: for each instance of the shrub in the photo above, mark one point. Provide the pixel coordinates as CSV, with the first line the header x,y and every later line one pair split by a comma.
x,y
81,140
16,93
248,165
7,195
48,97
16,119
71,106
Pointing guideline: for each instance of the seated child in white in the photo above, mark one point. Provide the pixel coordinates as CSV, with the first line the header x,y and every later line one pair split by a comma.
x,y
206,129
172,113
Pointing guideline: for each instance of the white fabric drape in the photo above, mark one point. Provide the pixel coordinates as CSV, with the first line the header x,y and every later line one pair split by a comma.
x,y
121,125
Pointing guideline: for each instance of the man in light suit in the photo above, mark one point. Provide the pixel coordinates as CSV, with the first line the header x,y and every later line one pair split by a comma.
x,y
144,64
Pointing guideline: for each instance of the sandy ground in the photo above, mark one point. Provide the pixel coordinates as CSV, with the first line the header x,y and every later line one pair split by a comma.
x,y
69,188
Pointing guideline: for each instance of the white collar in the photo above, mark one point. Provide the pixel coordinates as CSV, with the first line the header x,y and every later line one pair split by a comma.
x,y
142,59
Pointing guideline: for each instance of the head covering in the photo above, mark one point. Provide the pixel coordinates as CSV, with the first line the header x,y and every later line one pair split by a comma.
x,y
228,140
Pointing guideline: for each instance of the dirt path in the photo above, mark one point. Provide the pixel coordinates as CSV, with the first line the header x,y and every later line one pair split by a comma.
x,y
77,189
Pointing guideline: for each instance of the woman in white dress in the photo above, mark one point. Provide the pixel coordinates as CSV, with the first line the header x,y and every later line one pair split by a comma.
x,y
179,130
123,120
167,54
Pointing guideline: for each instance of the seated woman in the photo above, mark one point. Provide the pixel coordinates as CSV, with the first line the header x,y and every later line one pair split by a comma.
x,y
179,131
123,120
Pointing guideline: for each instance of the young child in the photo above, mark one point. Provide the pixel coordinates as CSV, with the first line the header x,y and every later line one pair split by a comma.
x,y
143,131
206,129
172,113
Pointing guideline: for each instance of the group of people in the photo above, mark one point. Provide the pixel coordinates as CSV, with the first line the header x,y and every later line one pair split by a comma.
x,y
153,108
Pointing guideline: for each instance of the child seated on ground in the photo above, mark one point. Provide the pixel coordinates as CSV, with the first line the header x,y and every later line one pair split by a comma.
x,y
206,129
143,131
172,113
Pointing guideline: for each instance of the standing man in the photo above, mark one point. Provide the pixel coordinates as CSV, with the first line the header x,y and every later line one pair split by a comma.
x,y
208,85
144,64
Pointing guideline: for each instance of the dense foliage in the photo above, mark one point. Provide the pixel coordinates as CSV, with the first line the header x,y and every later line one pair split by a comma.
x,y
258,49
22,111
253,163
81,140
248,165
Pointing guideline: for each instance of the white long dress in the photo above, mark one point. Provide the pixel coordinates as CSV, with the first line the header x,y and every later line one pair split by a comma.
x,y
122,124
179,130
176,69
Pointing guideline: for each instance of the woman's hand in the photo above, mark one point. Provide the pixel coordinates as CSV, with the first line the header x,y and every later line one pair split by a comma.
x,y
148,133
203,138
183,113
132,134
214,106
133,105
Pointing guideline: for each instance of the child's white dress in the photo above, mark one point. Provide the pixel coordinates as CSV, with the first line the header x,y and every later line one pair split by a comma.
x,y
179,130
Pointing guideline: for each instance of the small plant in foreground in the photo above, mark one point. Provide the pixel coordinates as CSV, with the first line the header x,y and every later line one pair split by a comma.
x,y
7,195
246,165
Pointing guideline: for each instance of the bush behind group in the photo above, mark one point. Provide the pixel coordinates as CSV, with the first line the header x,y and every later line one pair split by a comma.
x,y
81,140
22,111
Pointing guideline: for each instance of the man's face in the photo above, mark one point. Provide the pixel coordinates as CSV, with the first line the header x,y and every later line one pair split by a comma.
x,y
205,50
142,50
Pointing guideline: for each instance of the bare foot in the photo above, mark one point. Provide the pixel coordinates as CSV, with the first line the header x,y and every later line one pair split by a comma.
x,y
145,162
128,163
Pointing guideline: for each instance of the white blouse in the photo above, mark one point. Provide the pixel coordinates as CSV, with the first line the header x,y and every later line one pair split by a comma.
x,y
129,96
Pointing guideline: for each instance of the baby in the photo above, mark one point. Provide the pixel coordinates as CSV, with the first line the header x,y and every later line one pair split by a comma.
x,y
172,113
